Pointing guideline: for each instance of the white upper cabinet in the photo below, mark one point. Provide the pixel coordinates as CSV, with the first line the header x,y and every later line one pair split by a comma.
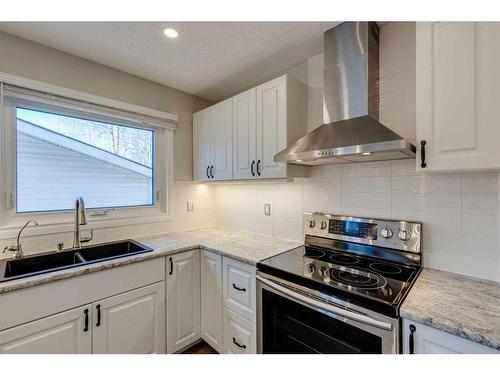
x,y
264,121
245,135
271,127
458,91
212,142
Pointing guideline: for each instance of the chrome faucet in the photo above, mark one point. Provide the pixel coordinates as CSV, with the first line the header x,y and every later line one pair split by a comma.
x,y
80,219
18,248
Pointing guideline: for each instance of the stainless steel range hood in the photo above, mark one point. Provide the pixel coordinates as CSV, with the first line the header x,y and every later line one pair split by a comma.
x,y
352,132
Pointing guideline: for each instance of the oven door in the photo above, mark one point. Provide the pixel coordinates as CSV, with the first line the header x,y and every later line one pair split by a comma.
x,y
294,319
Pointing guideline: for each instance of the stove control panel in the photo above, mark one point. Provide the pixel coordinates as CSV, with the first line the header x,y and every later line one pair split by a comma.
x,y
394,234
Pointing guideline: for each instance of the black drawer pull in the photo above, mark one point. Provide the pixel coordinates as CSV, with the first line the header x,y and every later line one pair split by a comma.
x,y
212,171
258,168
422,154
171,266
412,339
98,308
238,344
237,288
208,175
251,168
86,326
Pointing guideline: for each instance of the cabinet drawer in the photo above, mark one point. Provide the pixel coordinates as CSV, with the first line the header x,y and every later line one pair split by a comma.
x,y
239,334
239,288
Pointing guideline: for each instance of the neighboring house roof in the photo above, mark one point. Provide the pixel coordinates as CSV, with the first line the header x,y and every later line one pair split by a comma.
x,y
60,140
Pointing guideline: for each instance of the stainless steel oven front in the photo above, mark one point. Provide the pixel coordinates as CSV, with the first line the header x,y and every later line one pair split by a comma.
x,y
292,318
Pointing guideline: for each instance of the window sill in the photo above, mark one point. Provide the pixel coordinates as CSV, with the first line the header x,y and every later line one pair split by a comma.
x,y
65,226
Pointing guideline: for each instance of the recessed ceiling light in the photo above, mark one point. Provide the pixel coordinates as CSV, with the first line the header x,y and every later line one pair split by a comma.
x,y
170,33
366,153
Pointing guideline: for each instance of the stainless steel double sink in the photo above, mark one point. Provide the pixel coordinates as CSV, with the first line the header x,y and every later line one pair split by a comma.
x,y
56,261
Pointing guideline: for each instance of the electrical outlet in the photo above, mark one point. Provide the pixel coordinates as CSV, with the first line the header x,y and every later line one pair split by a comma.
x,y
190,206
267,209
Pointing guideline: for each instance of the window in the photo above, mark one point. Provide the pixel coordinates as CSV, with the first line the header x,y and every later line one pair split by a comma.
x,y
60,158
117,156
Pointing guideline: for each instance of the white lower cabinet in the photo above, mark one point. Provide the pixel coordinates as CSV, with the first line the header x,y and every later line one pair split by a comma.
x,y
69,332
211,299
421,339
183,300
130,323
239,334
239,288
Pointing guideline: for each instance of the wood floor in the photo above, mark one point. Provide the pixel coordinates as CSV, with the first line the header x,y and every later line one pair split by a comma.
x,y
200,348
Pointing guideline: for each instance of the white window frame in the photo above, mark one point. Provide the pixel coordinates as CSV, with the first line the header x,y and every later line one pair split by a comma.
x,y
62,221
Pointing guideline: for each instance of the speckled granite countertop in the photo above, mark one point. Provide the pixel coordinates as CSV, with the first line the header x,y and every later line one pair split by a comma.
x,y
460,305
246,247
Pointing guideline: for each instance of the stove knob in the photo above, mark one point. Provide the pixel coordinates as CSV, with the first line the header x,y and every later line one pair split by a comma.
x,y
312,224
323,225
311,268
322,271
404,235
386,232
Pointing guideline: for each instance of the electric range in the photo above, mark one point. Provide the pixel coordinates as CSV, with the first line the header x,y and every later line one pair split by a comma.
x,y
355,270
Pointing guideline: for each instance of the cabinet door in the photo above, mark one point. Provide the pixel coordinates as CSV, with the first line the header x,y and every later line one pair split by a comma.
x,y
211,299
201,145
457,92
131,323
183,300
271,127
68,332
239,288
245,135
427,340
239,334
221,141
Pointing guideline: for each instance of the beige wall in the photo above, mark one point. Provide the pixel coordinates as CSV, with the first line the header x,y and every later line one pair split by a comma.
x,y
24,58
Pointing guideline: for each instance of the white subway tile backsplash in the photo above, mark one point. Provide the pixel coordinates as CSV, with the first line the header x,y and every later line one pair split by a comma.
x,y
366,184
480,204
381,168
366,200
480,183
459,212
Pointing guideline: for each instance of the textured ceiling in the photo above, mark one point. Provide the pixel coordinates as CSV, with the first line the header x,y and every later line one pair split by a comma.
x,y
209,59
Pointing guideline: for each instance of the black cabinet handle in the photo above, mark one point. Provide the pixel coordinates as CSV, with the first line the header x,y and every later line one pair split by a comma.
x,y
86,326
98,308
251,168
238,344
208,176
422,154
412,340
240,289
212,171
258,168
171,266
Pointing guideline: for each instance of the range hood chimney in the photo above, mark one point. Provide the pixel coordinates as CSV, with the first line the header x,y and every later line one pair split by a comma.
x,y
352,132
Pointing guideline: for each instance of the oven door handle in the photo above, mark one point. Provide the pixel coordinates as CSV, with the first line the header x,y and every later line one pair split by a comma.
x,y
326,306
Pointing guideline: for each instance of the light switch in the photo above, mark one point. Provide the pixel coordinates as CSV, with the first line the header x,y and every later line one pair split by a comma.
x,y
190,206
267,209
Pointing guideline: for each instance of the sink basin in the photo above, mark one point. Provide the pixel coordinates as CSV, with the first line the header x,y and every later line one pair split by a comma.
x,y
39,264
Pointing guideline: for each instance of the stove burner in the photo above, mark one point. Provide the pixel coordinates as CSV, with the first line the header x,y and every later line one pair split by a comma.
x,y
344,259
314,253
357,278
390,269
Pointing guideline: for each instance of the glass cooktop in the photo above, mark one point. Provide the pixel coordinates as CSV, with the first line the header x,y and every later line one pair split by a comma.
x,y
361,276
